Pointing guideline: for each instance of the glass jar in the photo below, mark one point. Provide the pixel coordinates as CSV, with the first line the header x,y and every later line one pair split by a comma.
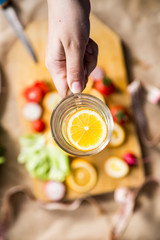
x,y
65,109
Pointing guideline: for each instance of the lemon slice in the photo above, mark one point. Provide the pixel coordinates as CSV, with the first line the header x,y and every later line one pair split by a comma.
x,y
115,167
83,176
97,94
118,136
50,100
86,129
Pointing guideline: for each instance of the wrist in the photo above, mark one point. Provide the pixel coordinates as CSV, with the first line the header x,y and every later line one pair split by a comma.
x,y
85,4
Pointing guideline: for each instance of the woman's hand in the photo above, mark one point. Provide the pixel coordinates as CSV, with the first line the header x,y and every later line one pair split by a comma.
x,y
71,56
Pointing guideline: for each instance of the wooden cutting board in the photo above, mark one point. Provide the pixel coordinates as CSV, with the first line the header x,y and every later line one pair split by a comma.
x,y
22,72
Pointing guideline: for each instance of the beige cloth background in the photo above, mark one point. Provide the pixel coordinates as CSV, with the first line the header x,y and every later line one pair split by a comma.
x,y
138,24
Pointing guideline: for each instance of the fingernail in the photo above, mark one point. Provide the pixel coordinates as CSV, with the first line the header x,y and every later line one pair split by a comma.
x,y
89,49
76,87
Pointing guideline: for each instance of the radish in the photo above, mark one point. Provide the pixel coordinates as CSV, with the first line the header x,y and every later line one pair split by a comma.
x,y
32,111
55,191
130,159
97,74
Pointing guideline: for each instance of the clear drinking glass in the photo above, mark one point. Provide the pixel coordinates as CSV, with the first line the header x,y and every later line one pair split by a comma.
x,y
65,109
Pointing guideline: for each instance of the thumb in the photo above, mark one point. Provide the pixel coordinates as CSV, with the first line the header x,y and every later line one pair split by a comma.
x,y
75,69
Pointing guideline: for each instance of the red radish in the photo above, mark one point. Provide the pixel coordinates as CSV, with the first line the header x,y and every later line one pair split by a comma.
x,y
32,111
45,88
130,158
55,191
38,125
97,74
105,86
33,94
120,114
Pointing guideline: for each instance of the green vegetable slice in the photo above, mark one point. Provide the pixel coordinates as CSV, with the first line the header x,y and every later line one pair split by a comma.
x,y
42,161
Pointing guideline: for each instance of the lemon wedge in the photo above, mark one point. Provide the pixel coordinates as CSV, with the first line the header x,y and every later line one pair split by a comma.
x,y
115,167
50,100
97,94
83,176
118,136
86,129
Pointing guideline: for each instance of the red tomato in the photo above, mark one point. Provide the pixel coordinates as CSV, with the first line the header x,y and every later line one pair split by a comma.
x,y
105,86
38,125
43,86
33,94
119,114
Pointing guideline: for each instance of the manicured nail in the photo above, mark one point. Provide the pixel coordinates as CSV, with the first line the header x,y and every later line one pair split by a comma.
x,y
89,49
76,87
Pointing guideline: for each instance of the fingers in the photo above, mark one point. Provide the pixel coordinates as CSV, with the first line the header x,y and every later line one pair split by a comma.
x,y
70,65
91,56
75,67
56,64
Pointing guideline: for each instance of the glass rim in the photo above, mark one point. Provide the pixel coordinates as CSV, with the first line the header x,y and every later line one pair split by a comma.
x,y
82,153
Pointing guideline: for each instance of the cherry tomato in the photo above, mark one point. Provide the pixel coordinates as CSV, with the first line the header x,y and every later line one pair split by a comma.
x,y
105,86
38,125
43,86
119,114
33,94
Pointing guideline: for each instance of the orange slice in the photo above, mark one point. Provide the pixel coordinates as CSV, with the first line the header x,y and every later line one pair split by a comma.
x,y
50,101
86,129
97,94
118,136
115,167
83,176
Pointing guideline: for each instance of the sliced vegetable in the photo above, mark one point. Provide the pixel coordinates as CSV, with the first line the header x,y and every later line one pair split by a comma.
x,y
130,158
97,94
34,142
45,162
50,100
38,125
97,74
115,167
83,176
120,114
118,136
54,191
33,94
32,111
44,86
105,86
29,145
